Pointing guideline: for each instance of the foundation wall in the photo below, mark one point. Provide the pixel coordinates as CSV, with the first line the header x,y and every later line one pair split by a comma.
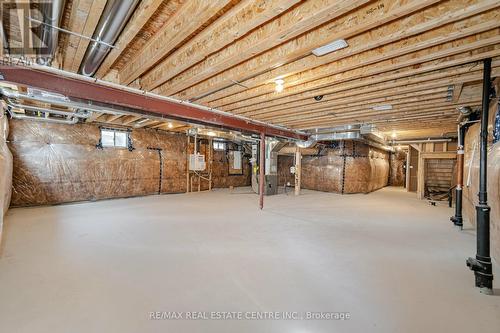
x,y
471,188
56,163
346,167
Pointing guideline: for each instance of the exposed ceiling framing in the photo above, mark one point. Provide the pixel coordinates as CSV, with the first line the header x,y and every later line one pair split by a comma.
x,y
421,57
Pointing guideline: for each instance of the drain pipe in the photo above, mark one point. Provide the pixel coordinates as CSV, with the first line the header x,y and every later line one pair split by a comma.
x,y
112,21
481,265
457,219
262,169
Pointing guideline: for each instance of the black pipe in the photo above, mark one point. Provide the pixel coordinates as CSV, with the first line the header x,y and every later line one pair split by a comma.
x,y
481,265
458,219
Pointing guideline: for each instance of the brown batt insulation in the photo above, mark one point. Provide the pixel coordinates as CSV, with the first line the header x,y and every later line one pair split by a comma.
x,y
397,162
5,171
285,162
470,198
56,163
350,167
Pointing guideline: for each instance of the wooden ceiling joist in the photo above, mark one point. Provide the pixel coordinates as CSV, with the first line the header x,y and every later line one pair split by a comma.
x,y
365,80
83,20
429,19
237,22
185,22
419,58
285,27
385,89
141,16
349,68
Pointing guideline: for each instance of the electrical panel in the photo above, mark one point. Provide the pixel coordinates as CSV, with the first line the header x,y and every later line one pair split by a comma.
x,y
197,162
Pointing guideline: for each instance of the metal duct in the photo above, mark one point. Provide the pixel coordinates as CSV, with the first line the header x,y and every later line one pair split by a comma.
x,y
335,136
5,42
12,99
52,15
112,21
406,142
68,121
77,113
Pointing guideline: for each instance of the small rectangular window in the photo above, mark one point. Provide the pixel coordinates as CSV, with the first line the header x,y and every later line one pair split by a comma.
x,y
114,138
219,145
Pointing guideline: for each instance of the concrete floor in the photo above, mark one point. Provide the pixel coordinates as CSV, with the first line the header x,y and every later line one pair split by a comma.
x,y
394,263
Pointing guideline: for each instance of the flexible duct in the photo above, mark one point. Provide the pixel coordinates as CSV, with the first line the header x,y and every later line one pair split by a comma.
x,y
112,21
52,15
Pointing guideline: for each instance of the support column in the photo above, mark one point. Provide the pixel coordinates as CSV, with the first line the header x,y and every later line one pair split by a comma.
x,y
298,170
262,169
187,165
408,169
481,265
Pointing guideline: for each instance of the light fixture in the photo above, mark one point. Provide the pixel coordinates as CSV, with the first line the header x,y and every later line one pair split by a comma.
x,y
394,135
279,85
170,125
333,46
382,107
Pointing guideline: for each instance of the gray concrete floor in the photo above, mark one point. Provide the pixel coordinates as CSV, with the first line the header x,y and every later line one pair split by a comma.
x,y
394,263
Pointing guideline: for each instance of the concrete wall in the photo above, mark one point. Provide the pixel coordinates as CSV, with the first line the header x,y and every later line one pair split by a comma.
x,y
346,167
60,163
470,192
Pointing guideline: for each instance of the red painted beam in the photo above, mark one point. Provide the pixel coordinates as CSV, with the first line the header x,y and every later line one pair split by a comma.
x,y
75,87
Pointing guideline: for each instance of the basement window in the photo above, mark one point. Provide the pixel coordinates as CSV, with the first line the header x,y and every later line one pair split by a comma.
x,y
114,138
219,145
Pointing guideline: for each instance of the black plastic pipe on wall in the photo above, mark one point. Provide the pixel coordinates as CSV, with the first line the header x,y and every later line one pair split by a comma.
x,y
481,264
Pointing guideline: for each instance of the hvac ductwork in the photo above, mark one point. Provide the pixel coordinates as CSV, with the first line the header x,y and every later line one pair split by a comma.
x,y
52,15
112,21
361,133
12,100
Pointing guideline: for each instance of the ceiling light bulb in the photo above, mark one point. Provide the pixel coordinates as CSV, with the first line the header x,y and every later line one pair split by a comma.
x,y
394,135
279,81
170,125
279,88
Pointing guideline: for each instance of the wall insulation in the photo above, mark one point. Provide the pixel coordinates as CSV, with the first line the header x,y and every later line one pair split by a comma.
x,y
346,167
285,162
5,170
397,171
56,163
221,177
471,188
